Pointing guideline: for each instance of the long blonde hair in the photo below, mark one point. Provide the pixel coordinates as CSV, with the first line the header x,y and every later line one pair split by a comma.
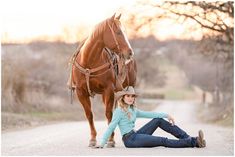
x,y
124,106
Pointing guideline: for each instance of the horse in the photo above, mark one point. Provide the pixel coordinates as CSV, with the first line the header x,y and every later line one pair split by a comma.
x,y
104,64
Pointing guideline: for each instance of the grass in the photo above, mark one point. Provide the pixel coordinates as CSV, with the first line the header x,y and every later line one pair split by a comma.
x,y
177,94
228,121
176,87
11,121
176,84
217,115
58,116
50,116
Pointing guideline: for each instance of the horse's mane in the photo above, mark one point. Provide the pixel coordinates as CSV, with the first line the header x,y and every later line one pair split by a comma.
x,y
80,45
77,50
99,29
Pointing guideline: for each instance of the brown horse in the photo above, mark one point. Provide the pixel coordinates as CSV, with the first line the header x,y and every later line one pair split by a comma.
x,y
93,70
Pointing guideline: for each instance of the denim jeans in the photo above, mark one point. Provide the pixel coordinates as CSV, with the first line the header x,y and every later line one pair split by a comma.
x,y
144,138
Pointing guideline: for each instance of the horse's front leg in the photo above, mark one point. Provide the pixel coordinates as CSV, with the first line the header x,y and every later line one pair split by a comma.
x,y
108,99
86,103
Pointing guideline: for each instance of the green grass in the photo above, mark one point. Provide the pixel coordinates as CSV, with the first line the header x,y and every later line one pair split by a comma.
x,y
56,116
175,88
177,94
44,115
166,65
11,121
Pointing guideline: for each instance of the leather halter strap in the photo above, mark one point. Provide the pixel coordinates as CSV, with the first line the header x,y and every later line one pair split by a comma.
x,y
88,73
93,70
114,36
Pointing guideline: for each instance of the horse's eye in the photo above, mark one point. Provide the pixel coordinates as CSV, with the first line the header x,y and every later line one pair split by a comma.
x,y
119,33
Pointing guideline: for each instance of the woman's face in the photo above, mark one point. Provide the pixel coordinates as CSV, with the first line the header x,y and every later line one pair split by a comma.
x,y
129,99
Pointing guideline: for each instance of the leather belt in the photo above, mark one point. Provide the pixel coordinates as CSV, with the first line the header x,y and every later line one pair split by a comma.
x,y
127,135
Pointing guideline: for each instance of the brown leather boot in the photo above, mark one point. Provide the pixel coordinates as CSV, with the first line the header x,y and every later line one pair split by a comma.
x,y
201,143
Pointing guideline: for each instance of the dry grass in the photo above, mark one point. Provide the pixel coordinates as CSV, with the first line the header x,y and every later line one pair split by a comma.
x,y
31,74
220,115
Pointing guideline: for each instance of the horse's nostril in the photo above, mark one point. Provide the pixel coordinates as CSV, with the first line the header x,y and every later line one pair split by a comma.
x,y
131,53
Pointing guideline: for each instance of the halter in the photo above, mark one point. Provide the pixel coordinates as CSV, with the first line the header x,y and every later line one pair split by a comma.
x,y
114,36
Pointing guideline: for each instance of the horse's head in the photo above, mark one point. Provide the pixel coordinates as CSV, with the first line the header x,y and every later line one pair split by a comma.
x,y
115,38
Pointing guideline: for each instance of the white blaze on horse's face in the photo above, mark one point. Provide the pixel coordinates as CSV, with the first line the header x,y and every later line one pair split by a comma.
x,y
117,39
129,52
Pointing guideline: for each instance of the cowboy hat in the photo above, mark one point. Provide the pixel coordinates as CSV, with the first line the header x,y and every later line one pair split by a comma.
x,y
129,90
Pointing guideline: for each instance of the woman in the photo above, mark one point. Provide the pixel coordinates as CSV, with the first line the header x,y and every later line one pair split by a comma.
x,y
125,116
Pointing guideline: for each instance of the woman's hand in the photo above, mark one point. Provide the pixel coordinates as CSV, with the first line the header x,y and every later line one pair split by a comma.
x,y
171,119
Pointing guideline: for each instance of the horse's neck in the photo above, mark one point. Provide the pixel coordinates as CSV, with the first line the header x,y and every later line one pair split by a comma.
x,y
91,53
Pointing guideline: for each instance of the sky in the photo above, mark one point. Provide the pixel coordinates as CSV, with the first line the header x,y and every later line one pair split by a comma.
x,y
26,20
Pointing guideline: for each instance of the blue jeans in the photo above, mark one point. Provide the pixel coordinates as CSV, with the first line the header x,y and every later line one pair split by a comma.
x,y
144,138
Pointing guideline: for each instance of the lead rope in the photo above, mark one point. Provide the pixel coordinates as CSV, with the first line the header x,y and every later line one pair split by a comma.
x,y
71,96
118,80
71,89
127,76
71,79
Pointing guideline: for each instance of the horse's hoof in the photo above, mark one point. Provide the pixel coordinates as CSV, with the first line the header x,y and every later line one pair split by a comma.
x,y
110,144
92,143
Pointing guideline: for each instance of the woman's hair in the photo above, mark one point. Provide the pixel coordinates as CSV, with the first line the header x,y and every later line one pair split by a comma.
x,y
124,106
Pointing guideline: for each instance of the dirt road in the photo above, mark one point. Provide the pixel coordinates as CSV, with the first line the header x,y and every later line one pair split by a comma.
x,y
72,138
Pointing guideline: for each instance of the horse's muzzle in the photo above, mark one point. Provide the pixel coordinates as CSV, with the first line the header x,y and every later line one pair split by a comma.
x,y
129,57
129,54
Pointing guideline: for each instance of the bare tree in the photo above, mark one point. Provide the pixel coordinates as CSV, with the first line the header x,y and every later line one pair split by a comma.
x,y
216,20
215,16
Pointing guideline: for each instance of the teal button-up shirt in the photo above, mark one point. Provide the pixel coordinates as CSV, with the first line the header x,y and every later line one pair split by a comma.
x,y
125,124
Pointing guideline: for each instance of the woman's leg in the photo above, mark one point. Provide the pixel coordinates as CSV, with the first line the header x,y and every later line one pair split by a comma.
x,y
144,140
151,126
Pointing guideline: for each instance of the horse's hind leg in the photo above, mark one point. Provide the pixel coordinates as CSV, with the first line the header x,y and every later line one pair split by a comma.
x,y
86,103
108,99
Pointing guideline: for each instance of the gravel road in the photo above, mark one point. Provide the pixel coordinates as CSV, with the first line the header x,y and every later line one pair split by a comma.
x,y
71,138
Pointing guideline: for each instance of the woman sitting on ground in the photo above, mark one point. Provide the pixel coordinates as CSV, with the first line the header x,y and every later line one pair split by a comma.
x,y
125,116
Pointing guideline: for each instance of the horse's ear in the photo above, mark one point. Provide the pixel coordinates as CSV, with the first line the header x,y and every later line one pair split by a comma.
x,y
119,17
112,18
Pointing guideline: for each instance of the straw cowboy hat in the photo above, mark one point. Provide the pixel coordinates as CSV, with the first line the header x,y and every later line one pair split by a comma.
x,y
128,90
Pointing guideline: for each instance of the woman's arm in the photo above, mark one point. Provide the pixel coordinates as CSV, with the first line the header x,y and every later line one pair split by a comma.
x,y
112,125
147,114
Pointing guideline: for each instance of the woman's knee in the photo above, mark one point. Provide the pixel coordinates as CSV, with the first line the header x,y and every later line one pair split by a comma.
x,y
158,119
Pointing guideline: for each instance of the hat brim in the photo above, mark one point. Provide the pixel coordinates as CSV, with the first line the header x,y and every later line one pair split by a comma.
x,y
120,94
